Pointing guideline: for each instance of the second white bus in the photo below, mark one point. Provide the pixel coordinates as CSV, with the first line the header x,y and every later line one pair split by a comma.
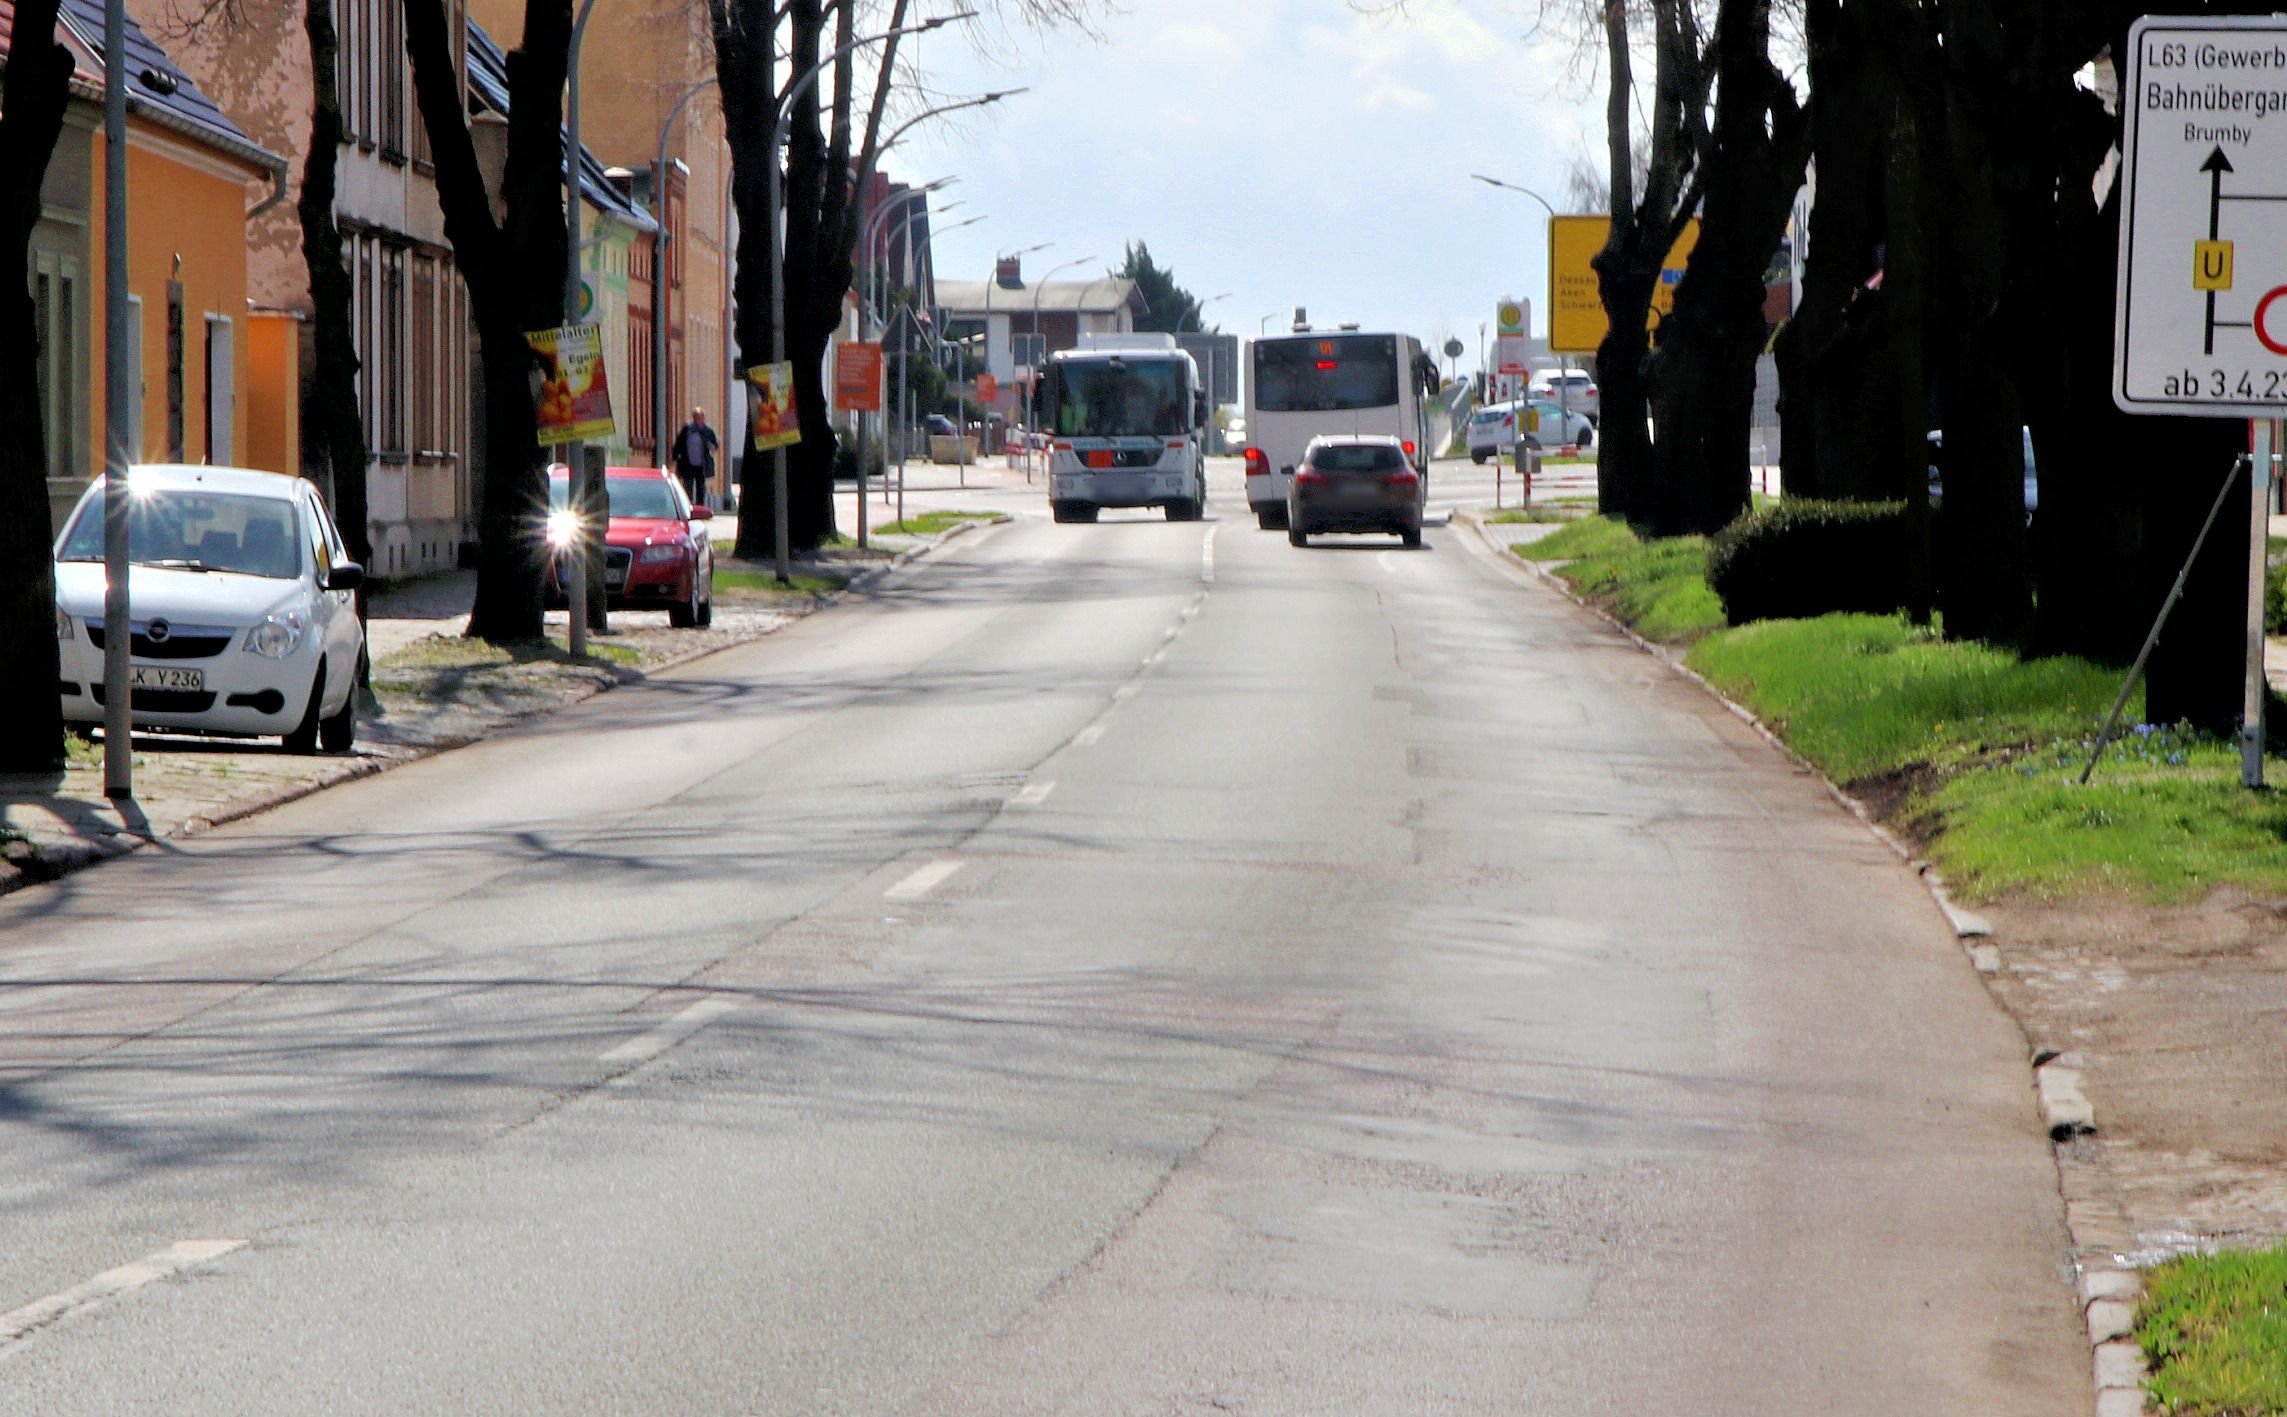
x,y
1336,381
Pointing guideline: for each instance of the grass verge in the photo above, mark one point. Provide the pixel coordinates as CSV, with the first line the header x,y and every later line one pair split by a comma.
x,y
2214,1333
765,583
1970,750
931,523
1658,588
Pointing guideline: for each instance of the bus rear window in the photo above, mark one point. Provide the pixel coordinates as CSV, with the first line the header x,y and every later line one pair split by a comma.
x,y
1324,373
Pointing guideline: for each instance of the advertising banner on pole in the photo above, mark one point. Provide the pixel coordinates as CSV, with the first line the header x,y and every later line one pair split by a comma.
x,y
988,388
775,423
572,397
857,376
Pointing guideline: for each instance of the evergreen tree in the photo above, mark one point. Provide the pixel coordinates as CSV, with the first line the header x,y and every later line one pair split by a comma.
x,y
1169,308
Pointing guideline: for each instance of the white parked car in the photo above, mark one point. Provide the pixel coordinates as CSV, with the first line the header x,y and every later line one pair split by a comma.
x,y
242,602
1569,388
1552,427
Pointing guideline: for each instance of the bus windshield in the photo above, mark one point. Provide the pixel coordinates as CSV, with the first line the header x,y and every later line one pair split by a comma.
x,y
1116,398
1325,373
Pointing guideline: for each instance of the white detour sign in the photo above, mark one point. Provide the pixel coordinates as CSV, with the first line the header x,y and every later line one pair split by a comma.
x,y
2202,325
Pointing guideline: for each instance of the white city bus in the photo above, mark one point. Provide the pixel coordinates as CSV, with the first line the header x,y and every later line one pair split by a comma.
x,y
1126,418
1330,381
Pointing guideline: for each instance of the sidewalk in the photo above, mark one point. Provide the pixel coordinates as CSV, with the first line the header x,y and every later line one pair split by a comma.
x,y
53,824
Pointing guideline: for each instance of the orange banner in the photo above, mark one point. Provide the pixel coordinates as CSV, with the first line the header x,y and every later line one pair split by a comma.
x,y
857,377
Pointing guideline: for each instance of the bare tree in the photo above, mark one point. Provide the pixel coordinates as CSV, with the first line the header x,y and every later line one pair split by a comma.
x,y
34,91
832,135
513,267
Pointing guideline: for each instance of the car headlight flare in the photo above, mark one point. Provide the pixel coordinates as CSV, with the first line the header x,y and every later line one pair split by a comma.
x,y
277,635
654,555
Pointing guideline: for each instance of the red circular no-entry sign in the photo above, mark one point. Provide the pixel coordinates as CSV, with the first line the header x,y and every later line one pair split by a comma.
x,y
2277,344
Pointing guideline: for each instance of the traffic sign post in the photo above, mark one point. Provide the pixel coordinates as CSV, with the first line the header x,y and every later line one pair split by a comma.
x,y
2201,322
1576,321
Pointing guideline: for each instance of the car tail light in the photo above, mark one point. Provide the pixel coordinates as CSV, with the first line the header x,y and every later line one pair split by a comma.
x,y
1258,463
1409,447
1309,474
1403,477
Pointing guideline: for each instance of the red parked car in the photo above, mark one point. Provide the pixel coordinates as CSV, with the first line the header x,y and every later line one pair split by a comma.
x,y
656,551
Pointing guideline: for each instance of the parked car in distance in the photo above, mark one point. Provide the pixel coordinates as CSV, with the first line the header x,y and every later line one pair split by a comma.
x,y
937,425
242,608
1566,388
1492,431
1556,428
1936,439
1355,482
657,554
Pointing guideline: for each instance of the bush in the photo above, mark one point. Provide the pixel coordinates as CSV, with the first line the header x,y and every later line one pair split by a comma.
x,y
1801,558
846,459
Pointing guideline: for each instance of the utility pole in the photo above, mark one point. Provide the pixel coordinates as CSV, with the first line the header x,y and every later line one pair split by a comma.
x,y
118,693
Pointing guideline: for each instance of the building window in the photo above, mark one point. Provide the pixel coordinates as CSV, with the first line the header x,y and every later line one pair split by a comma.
x,y
56,311
390,436
221,411
427,376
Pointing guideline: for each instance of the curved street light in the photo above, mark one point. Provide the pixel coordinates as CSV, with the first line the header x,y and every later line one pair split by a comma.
x,y
1513,187
1037,291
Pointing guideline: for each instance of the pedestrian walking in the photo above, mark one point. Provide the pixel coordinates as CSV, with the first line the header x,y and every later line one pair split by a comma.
x,y
695,445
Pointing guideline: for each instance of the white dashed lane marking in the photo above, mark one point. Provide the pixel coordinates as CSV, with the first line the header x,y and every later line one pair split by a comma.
x,y
18,1324
923,881
645,1046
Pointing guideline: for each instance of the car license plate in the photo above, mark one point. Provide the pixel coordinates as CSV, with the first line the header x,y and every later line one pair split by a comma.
x,y
152,676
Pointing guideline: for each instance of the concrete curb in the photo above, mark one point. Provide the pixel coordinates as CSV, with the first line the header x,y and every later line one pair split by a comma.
x,y
2107,1292
55,861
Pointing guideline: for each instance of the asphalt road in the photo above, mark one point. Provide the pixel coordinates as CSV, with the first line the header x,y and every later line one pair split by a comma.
x,y
1133,968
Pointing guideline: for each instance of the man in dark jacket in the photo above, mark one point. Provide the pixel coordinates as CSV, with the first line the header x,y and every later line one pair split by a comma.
x,y
695,445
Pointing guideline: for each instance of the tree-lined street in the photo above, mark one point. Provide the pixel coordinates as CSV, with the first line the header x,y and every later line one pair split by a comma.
x,y
1136,967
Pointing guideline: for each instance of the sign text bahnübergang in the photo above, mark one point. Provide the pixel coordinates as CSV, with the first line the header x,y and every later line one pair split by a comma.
x,y
2218,95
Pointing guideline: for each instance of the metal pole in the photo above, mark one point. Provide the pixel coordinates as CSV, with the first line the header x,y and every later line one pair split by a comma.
x,y
118,700
2175,593
576,486
2267,443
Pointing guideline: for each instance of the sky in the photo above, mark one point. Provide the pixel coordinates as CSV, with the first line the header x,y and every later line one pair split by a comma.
x,y
1273,153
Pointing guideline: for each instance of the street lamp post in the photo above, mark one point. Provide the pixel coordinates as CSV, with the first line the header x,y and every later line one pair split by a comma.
x,y
578,491
1564,391
777,266
1041,340
118,695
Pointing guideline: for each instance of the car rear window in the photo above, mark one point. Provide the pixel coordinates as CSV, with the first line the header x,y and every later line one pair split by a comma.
x,y
1357,457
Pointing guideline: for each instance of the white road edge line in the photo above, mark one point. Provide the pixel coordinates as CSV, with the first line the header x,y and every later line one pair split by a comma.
x,y
1033,794
1207,556
1088,736
923,881
645,1046
22,1323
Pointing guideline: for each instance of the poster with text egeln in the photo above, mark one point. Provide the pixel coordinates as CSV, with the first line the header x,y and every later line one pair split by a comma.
x,y
573,398
775,422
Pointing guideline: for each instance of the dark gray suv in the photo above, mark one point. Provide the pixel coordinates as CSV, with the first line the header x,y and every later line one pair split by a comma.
x,y
1356,482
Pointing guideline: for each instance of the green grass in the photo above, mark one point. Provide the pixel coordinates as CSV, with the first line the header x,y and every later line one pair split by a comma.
x,y
766,583
2214,1333
1971,749
931,523
1537,515
1658,588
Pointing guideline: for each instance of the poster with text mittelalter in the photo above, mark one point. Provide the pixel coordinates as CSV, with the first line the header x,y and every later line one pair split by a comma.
x,y
572,396
775,422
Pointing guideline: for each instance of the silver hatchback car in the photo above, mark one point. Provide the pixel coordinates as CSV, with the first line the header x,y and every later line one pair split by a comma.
x,y
1356,482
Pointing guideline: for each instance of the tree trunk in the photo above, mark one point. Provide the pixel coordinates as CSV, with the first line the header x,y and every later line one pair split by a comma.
x,y
33,95
745,32
513,268
1704,368
331,404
